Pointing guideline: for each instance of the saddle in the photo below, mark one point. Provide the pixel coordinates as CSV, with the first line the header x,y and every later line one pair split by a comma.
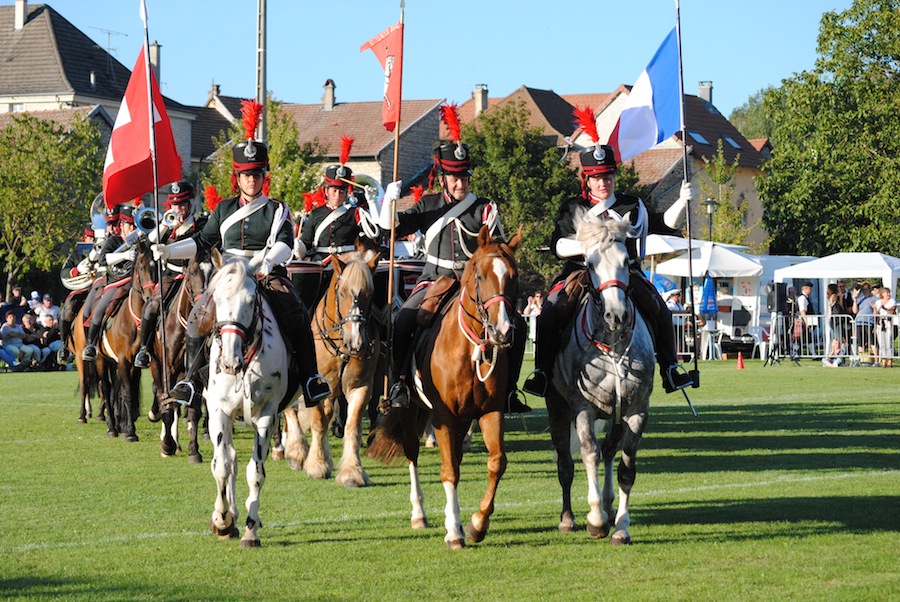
x,y
439,295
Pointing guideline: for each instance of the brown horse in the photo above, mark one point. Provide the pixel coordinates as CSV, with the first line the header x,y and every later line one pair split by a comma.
x,y
348,345
89,382
188,290
460,372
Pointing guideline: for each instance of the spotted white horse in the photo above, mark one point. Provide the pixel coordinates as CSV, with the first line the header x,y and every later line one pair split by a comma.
x,y
247,378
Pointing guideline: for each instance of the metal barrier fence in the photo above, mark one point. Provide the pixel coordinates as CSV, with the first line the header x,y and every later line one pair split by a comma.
x,y
855,341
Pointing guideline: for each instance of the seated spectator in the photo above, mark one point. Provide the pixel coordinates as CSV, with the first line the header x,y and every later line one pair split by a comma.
x,y
32,340
34,301
534,305
16,299
834,358
47,308
10,359
11,335
50,341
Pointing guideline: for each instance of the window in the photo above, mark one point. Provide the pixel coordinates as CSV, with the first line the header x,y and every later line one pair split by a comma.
x,y
698,137
16,107
731,141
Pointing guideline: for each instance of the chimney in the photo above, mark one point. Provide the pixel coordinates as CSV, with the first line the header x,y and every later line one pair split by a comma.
x,y
154,60
328,97
704,90
214,91
21,14
480,94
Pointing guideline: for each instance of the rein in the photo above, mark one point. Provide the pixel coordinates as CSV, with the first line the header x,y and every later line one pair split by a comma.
x,y
251,347
326,333
481,342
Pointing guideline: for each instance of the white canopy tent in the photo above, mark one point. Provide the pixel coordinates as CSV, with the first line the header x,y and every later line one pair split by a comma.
x,y
719,261
846,265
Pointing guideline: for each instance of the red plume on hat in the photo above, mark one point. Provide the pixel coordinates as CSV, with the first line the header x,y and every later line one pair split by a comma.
x,y
417,191
346,145
212,197
450,117
251,115
586,121
314,199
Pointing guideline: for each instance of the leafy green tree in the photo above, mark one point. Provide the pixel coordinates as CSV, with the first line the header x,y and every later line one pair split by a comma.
x,y
832,182
49,175
751,118
515,166
294,166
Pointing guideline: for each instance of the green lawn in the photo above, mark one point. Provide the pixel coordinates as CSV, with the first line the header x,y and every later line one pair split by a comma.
x,y
785,487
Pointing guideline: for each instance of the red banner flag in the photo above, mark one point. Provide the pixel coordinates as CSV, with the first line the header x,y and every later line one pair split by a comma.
x,y
388,47
128,172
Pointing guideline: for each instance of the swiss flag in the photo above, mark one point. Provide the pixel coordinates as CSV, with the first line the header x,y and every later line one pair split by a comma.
x,y
388,47
128,172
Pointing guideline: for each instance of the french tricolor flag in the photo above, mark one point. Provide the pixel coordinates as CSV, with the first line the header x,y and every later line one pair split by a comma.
x,y
652,112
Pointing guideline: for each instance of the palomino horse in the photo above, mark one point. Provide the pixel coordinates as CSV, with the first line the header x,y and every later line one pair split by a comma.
x,y
605,370
248,372
187,291
348,344
462,375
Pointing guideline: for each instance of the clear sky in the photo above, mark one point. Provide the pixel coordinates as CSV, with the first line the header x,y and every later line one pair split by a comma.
x,y
450,46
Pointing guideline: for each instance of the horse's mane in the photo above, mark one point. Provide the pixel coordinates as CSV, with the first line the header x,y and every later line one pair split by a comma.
x,y
599,232
231,277
356,276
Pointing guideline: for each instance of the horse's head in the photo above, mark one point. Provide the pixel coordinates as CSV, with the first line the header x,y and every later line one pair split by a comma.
x,y
144,276
198,273
489,285
606,259
354,287
237,314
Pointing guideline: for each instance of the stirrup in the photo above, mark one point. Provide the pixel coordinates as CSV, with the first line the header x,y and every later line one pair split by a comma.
x,y
316,389
182,393
536,383
677,378
142,359
90,353
514,405
62,356
399,395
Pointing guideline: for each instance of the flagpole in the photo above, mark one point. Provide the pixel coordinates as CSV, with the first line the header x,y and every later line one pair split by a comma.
x,y
687,178
393,213
161,322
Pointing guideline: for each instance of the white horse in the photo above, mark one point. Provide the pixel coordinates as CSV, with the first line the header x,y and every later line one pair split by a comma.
x,y
247,378
605,370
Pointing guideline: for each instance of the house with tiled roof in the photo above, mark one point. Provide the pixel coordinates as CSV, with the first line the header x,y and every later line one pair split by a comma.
x,y
66,117
50,65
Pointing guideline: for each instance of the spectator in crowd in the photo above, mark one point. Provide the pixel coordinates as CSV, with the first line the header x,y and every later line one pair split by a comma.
x,y
534,304
10,359
16,299
885,307
673,302
34,301
806,310
834,359
32,340
863,309
845,298
47,308
11,335
838,315
50,341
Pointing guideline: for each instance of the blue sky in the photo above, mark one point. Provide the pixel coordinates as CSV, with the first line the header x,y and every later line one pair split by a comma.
x,y
451,46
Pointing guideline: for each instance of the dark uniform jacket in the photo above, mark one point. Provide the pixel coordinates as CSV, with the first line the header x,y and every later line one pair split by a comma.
x,y
625,207
172,235
338,235
248,234
447,245
120,270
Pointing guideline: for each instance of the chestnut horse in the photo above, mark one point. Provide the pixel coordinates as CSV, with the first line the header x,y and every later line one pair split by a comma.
x,y
605,370
460,372
188,289
348,345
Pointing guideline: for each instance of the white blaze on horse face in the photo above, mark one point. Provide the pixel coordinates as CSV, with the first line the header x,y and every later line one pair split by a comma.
x,y
501,270
611,265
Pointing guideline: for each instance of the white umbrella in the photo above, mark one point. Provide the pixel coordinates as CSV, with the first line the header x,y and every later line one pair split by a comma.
x,y
663,244
714,259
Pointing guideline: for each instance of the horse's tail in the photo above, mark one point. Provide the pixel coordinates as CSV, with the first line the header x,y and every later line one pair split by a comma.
x,y
402,427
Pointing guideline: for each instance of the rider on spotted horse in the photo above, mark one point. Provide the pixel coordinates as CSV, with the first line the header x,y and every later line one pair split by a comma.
x,y
117,257
179,204
598,180
450,220
255,227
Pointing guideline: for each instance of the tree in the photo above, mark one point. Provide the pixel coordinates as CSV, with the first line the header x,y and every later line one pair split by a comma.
x,y
832,182
294,167
49,175
514,165
751,118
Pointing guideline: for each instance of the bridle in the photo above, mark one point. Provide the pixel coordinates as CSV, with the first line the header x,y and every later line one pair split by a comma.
x,y
250,335
327,335
626,332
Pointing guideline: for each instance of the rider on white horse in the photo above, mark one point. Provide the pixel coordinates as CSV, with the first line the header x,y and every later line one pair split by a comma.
x,y
598,172
252,226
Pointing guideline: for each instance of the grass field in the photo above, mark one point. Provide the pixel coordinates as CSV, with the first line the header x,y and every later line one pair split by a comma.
x,y
787,487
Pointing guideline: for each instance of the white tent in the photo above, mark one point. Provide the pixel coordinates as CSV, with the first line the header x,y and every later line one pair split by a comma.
x,y
844,265
717,260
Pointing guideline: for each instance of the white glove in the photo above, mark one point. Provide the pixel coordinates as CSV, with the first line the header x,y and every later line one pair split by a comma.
x,y
160,252
84,266
392,192
674,215
569,247
279,254
132,238
117,258
299,248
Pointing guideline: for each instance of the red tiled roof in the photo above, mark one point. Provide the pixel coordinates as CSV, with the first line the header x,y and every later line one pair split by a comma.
x,y
64,117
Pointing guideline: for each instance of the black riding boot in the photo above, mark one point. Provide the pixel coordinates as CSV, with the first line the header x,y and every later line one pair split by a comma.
x,y
184,391
545,349
63,356
514,405
148,328
90,349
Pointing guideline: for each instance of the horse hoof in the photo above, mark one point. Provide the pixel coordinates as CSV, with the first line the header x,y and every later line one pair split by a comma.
x,y
474,535
112,434
166,451
567,526
195,459
82,421
419,523
620,539
278,454
153,417
456,544
131,438
224,534
250,543
295,465
598,532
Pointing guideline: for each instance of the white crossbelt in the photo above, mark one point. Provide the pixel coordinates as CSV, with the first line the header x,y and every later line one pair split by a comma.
x,y
340,249
445,263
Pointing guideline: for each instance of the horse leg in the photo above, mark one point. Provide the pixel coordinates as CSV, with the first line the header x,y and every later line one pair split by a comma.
x,y
295,446
224,469
278,439
167,444
608,451
193,426
559,416
319,464
351,473
492,429
449,446
131,379
627,473
256,478
597,519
